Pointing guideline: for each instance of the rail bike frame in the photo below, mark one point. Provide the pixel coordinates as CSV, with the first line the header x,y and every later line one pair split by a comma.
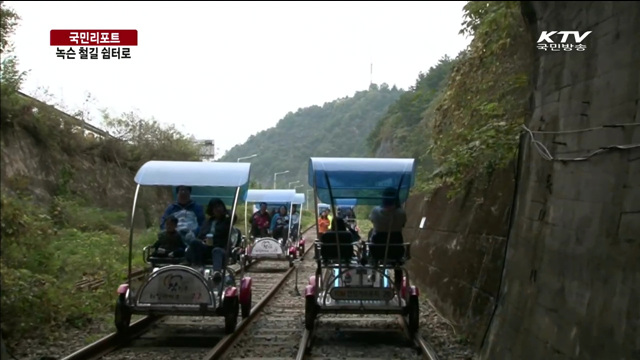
x,y
342,282
269,248
177,289
300,200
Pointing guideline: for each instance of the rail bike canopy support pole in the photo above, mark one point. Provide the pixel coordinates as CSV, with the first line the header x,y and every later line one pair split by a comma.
x,y
133,214
225,263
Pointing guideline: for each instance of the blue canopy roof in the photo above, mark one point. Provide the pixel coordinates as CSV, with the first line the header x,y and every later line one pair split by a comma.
x,y
193,173
346,202
207,179
278,196
299,199
364,179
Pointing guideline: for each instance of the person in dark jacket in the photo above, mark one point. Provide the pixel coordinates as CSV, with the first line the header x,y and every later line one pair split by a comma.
x,y
170,242
280,224
260,222
340,225
216,228
190,215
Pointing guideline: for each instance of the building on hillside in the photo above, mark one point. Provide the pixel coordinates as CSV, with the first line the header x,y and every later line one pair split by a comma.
x,y
207,149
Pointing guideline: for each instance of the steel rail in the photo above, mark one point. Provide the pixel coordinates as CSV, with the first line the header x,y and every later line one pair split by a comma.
x,y
112,341
225,343
426,349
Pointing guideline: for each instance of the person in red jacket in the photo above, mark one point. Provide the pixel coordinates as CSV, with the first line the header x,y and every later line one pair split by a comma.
x,y
260,222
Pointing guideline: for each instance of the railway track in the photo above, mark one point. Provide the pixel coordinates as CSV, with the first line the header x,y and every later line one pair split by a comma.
x,y
274,329
275,333
363,337
187,336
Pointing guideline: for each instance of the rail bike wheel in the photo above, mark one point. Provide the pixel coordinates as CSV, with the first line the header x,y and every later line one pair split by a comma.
x,y
413,314
246,308
122,315
231,307
310,312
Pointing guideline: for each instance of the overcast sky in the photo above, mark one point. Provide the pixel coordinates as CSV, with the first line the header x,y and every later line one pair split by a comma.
x,y
225,71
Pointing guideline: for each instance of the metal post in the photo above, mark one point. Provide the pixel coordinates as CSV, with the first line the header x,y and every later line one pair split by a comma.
x,y
246,157
275,176
133,214
228,252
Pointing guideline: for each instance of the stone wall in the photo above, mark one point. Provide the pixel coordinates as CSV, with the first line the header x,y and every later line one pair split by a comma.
x,y
571,285
458,256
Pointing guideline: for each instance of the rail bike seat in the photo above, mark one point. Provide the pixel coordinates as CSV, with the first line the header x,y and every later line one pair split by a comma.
x,y
329,247
397,253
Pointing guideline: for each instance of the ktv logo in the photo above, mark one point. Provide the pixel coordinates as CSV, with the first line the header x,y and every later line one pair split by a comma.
x,y
545,36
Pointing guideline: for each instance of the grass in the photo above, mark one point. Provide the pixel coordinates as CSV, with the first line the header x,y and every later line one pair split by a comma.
x,y
47,250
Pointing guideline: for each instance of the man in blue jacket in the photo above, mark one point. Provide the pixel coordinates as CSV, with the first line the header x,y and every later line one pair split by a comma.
x,y
189,214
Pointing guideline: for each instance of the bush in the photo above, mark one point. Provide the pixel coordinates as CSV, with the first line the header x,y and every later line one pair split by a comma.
x,y
477,122
45,252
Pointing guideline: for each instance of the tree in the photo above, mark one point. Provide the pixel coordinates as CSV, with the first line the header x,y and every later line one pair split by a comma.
x,y
8,22
254,185
149,140
10,77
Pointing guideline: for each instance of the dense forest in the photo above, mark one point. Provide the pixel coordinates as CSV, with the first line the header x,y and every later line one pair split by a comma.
x,y
338,128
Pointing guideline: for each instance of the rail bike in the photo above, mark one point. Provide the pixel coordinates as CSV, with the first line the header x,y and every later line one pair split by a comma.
x,y
174,287
366,277
346,210
278,247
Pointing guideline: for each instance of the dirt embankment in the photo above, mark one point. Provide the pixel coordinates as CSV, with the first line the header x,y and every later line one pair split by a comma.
x,y
42,172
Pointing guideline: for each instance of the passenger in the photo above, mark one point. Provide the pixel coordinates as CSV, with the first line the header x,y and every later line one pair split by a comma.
x,y
350,214
260,222
217,228
389,217
170,242
189,214
295,219
236,240
323,223
340,225
280,224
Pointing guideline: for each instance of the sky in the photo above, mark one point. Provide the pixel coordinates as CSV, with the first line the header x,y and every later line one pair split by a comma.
x,y
227,70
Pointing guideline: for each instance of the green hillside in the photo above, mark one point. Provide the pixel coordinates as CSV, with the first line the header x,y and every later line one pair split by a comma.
x,y
462,118
404,131
338,128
